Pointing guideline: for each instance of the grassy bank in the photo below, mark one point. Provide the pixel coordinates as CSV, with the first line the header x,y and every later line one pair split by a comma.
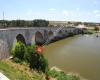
x,y
18,71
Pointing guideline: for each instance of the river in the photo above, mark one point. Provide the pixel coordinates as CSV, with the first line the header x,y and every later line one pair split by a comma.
x,y
78,54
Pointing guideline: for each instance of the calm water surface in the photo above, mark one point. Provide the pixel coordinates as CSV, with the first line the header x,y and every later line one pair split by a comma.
x,y
79,54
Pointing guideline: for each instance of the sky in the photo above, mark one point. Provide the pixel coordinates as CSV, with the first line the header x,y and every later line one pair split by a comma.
x,y
58,10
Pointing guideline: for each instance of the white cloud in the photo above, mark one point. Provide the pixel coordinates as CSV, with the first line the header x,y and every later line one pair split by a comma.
x,y
77,9
96,11
98,15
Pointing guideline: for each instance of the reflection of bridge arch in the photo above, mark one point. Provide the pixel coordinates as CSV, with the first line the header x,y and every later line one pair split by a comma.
x,y
50,34
20,38
39,40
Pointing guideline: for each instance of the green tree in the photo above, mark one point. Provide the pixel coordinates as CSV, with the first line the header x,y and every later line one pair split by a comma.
x,y
96,28
19,50
40,23
35,60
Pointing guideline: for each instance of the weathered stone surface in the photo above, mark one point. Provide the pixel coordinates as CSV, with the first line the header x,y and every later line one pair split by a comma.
x,y
8,36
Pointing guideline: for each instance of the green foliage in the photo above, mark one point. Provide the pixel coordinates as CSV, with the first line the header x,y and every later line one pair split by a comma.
x,y
96,28
59,75
71,34
19,50
17,60
28,53
73,77
23,23
35,60
40,23
30,50
88,32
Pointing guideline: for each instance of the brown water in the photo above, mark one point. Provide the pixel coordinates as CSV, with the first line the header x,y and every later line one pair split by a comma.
x,y
79,54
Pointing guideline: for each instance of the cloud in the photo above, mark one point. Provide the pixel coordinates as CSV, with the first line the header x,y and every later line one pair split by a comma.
x,y
98,15
77,9
96,11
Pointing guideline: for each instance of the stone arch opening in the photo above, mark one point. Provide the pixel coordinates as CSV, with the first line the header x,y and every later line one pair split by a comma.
x,y
50,34
39,40
20,38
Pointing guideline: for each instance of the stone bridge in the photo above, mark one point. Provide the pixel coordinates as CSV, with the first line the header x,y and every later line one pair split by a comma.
x,y
29,36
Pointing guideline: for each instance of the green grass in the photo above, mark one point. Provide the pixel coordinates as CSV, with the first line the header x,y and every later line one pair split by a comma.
x,y
60,75
19,72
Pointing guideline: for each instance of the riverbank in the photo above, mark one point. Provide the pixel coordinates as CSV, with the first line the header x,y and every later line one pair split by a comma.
x,y
17,71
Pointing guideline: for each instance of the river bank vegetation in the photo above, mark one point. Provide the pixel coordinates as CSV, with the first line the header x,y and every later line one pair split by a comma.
x,y
29,64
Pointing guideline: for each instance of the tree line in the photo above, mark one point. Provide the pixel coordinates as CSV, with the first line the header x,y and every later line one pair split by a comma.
x,y
24,23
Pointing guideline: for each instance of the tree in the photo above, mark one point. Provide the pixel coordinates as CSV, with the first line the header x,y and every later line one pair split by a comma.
x,y
19,50
35,60
40,23
96,28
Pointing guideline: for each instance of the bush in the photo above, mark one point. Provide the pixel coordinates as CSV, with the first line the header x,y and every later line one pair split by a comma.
x,y
30,50
88,32
19,50
35,60
70,34
29,55
59,75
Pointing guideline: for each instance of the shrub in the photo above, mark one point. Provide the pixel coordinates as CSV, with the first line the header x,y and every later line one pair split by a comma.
x,y
59,75
19,50
70,34
35,60
28,53
30,50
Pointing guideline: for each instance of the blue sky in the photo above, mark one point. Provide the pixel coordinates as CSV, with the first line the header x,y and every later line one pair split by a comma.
x,y
59,10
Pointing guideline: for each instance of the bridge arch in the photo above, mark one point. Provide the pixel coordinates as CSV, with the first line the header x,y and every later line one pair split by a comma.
x,y
50,34
20,38
39,39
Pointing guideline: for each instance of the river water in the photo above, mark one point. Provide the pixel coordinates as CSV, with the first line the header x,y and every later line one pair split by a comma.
x,y
78,54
